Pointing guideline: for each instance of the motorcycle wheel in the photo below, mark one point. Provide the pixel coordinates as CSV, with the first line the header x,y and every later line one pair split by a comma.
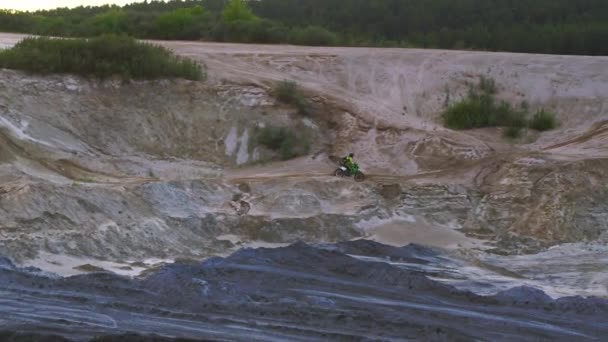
x,y
359,177
244,208
340,173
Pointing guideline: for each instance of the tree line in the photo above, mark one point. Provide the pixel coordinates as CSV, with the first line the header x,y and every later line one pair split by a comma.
x,y
539,26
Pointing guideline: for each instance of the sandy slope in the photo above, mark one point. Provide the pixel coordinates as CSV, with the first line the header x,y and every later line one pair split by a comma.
x,y
407,88
148,169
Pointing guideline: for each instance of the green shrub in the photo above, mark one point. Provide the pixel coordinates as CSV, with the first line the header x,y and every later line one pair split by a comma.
x,y
286,142
512,132
314,36
287,92
462,115
272,137
510,117
303,107
543,121
100,57
480,109
476,111
487,85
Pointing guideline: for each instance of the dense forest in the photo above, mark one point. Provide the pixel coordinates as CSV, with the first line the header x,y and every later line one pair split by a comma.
x,y
539,26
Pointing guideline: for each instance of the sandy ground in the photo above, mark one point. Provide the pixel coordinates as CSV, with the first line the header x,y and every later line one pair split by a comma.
x,y
78,195
388,101
402,233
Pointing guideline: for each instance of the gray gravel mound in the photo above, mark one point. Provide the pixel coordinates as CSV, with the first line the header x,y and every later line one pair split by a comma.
x,y
300,292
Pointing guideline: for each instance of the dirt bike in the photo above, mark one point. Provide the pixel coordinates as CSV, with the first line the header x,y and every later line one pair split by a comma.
x,y
343,171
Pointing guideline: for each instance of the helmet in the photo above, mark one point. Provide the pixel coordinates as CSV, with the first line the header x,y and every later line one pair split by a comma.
x,y
351,155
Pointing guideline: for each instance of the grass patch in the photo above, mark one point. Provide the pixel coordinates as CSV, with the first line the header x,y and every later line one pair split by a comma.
x,y
543,121
288,143
100,57
481,109
288,92
487,85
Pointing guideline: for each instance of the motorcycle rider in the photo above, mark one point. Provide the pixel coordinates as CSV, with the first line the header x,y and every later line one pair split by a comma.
x,y
349,161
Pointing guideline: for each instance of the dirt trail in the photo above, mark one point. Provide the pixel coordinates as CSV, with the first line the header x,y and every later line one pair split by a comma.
x,y
598,131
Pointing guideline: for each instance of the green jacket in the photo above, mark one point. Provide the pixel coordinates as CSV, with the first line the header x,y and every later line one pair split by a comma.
x,y
348,160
